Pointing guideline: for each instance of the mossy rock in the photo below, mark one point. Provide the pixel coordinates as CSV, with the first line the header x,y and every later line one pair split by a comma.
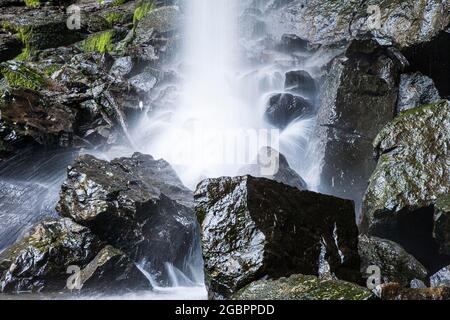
x,y
302,287
412,169
101,41
19,75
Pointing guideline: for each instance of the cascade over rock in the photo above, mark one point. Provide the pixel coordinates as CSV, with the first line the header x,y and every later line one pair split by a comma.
x,y
136,204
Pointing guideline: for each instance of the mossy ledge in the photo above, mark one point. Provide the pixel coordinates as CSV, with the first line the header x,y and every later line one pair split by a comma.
x,y
142,8
98,42
18,75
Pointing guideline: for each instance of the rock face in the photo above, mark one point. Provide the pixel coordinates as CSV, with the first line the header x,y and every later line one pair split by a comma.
x,y
10,47
302,287
401,22
393,291
441,230
247,235
269,158
136,204
112,271
162,20
39,261
415,90
284,108
357,99
412,172
395,263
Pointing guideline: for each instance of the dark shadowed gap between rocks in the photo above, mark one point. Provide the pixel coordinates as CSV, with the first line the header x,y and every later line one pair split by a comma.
x,y
432,59
414,232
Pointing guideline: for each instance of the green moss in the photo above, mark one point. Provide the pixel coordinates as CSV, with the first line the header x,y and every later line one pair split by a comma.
x,y
18,75
24,33
99,42
142,9
32,3
114,17
117,3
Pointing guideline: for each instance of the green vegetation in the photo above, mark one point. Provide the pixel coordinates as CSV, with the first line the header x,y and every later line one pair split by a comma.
x,y
142,9
32,3
24,34
114,17
117,3
17,74
99,42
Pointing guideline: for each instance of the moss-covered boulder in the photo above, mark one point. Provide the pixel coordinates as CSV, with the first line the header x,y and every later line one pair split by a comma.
x,y
412,172
302,287
102,41
43,261
396,265
38,262
252,227
400,22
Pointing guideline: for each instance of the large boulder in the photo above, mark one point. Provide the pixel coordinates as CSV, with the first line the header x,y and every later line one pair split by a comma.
x,y
357,99
400,22
412,172
415,91
39,261
302,287
272,164
136,204
43,260
300,82
396,265
254,227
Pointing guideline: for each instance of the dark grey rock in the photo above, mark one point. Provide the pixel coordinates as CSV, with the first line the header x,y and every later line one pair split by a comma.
x,y
273,165
247,235
441,231
10,47
121,67
136,204
441,278
300,82
395,263
284,108
357,99
39,261
415,90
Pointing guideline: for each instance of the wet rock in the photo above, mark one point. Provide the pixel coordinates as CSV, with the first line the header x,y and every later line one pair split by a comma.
x,y
39,29
161,20
136,204
302,287
246,235
10,47
441,230
273,165
283,108
143,82
412,172
394,291
122,67
39,261
415,90
441,278
29,118
300,82
395,263
111,271
292,43
357,99
400,22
